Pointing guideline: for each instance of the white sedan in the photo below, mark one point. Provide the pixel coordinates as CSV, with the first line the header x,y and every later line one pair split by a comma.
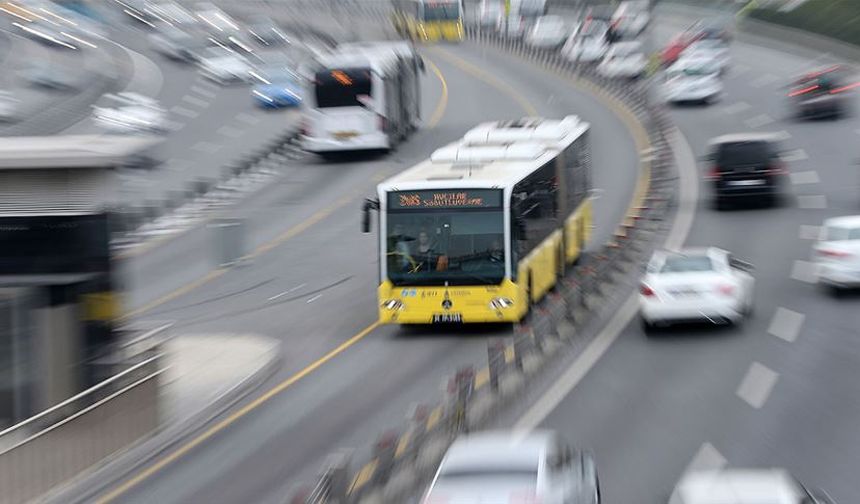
x,y
225,66
503,467
837,252
548,32
745,486
587,45
134,113
624,60
696,284
714,50
692,79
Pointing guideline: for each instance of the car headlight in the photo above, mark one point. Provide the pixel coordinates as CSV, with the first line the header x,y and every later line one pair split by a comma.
x,y
501,303
393,305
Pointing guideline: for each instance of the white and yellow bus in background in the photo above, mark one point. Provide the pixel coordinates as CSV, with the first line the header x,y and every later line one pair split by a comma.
x,y
486,226
428,20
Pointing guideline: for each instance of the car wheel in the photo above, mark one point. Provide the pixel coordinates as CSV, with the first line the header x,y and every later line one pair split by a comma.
x,y
721,205
835,291
647,327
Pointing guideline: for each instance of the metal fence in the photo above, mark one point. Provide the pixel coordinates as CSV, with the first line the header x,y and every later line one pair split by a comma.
x,y
65,440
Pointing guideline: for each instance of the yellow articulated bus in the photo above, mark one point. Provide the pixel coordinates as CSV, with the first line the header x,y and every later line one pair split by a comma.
x,y
428,20
486,226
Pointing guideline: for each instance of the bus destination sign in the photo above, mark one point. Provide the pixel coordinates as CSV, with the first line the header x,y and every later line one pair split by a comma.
x,y
445,199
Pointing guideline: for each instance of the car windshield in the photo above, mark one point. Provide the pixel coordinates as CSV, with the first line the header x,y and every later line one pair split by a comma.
x,y
686,264
692,71
454,237
743,153
841,233
445,11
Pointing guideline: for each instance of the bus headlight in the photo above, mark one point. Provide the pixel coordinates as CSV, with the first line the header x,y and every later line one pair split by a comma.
x,y
500,303
393,305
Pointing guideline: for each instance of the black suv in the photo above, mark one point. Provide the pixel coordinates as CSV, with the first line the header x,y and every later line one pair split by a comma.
x,y
745,166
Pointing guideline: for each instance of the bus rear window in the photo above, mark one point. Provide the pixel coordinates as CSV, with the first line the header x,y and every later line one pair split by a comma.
x,y
342,87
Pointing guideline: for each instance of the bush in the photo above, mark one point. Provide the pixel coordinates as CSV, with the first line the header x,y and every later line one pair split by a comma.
x,y
839,19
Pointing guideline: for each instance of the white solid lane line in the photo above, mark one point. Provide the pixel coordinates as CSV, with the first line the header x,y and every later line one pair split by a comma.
x,y
812,202
688,200
195,101
759,121
311,300
707,458
804,177
184,112
786,324
808,232
804,271
757,385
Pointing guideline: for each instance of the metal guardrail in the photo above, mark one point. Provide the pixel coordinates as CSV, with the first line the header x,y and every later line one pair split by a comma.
x,y
61,442
404,458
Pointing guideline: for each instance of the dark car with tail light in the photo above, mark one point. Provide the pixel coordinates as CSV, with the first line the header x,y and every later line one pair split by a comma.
x,y
822,93
745,166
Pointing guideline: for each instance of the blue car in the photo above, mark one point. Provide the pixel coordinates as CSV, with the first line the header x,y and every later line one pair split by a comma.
x,y
278,91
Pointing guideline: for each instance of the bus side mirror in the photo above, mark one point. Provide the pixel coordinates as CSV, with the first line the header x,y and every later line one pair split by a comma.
x,y
369,204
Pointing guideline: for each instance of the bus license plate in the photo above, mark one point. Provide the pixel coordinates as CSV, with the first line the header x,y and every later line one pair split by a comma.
x,y
447,318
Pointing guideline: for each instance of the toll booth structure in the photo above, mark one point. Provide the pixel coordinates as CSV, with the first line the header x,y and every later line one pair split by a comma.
x,y
59,299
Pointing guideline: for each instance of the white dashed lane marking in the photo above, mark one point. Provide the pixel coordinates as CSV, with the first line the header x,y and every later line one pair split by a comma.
x,y
786,324
804,177
764,80
246,118
808,232
231,132
207,147
707,458
812,202
758,121
311,300
203,92
185,112
782,135
197,102
757,385
804,271
736,108
795,155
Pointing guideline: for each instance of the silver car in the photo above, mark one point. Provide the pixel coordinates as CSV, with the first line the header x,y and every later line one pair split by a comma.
x,y
499,466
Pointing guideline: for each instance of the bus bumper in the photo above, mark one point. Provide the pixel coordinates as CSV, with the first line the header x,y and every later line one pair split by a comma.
x,y
452,305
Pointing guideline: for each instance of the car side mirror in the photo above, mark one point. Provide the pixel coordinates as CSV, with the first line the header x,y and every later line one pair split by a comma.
x,y
706,158
556,462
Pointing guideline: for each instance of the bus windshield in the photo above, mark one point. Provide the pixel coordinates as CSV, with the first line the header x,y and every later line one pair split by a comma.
x,y
441,11
342,87
460,246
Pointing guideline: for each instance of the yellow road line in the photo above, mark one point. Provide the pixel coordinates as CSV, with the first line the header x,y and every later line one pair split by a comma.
x,y
489,79
223,424
443,99
434,417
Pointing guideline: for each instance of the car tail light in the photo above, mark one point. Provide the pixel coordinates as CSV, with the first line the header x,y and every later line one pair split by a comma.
x,y
844,88
714,173
834,254
798,92
646,291
726,289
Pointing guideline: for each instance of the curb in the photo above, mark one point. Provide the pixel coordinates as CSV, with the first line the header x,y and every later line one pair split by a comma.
x,y
86,487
